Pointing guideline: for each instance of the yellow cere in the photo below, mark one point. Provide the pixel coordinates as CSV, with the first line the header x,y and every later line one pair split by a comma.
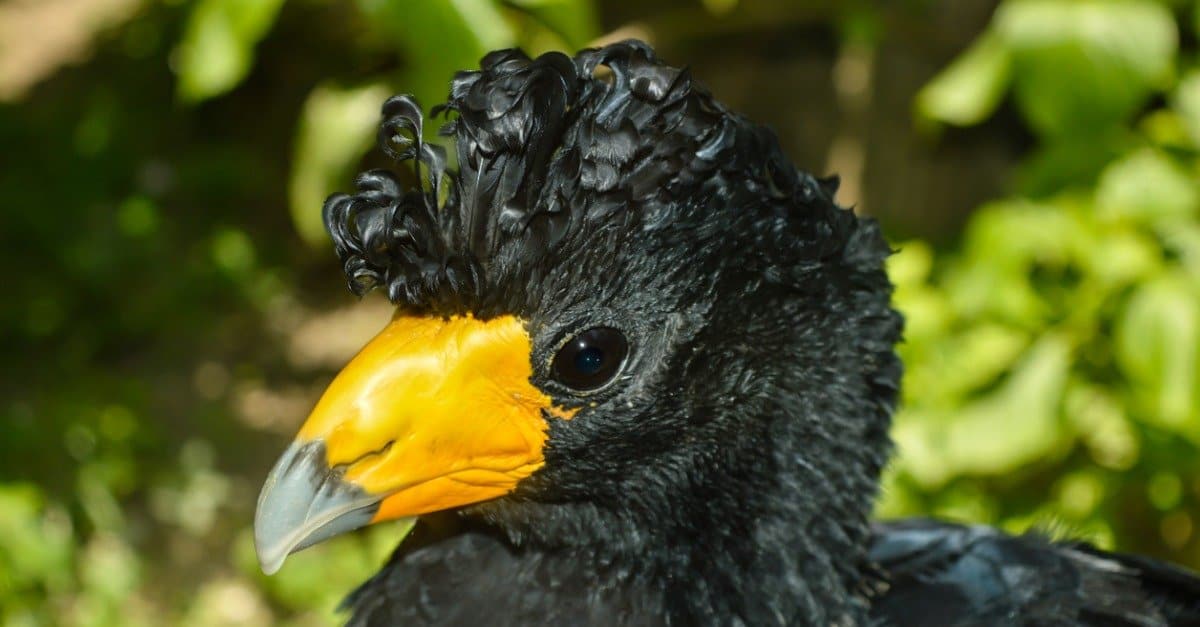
x,y
436,413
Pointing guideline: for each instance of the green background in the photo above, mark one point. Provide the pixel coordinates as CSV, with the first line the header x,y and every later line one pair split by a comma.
x,y
172,307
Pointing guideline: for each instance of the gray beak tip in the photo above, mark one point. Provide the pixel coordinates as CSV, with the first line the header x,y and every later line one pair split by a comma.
x,y
270,564
304,502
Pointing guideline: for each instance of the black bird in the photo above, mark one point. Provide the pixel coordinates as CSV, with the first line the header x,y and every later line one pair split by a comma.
x,y
641,372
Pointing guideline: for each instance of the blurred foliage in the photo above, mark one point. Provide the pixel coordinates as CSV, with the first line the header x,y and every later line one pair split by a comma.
x,y
1054,355
172,311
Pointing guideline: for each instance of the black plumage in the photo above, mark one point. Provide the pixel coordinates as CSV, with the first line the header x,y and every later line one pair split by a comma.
x,y
952,575
726,477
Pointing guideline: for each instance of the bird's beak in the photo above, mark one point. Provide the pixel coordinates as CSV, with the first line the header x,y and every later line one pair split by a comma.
x,y
432,414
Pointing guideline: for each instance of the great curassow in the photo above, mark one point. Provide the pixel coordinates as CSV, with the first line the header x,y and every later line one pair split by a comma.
x,y
641,372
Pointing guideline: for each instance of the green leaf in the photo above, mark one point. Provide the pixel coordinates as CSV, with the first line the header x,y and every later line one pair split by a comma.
x,y
973,359
1004,242
1183,242
1070,162
1158,349
1121,256
1146,187
336,127
217,49
574,21
970,89
1080,66
1017,232
1187,103
1018,423
35,549
439,38
911,264
1013,426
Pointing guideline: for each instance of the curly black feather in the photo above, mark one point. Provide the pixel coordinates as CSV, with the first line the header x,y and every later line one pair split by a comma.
x,y
549,151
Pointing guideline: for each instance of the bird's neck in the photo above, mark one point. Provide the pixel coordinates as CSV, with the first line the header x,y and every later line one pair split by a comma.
x,y
761,567
777,549
765,567
775,539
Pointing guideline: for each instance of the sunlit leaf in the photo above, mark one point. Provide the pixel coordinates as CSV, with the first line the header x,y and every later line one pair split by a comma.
x,y
217,49
920,448
968,361
1121,256
1147,186
1084,65
1018,423
1187,103
1166,129
1005,241
911,263
336,127
1158,349
1012,426
1017,232
970,89
1183,241
926,312
35,548
977,289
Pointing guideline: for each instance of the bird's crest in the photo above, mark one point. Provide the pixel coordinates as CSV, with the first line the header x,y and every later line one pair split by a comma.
x,y
554,147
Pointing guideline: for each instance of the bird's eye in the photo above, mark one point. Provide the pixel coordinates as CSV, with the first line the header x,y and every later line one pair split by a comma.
x,y
590,359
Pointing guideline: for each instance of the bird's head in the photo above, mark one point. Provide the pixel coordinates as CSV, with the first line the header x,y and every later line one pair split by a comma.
x,y
623,306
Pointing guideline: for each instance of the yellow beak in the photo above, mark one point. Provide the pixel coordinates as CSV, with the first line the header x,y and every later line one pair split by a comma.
x,y
432,414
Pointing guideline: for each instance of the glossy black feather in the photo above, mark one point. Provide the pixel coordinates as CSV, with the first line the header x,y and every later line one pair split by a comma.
x,y
727,475
950,575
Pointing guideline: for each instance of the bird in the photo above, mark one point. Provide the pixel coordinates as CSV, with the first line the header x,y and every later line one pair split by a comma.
x,y
641,371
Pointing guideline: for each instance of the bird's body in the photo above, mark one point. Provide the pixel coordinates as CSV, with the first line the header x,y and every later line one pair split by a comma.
x,y
642,373
918,573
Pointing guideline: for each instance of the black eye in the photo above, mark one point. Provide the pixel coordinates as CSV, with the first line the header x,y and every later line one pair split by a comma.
x,y
590,359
